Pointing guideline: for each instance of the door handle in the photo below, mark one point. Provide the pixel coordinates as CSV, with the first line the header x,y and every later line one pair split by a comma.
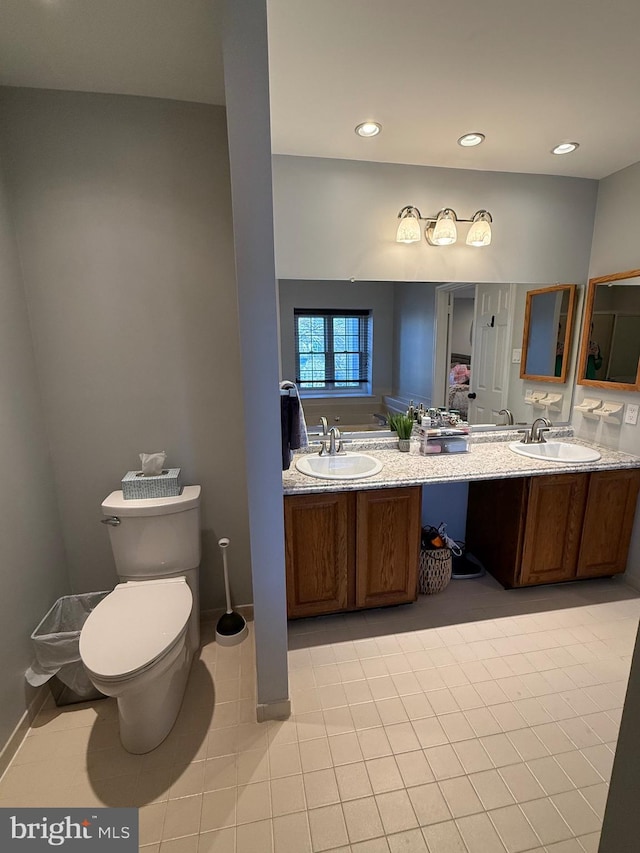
x,y
112,520
472,395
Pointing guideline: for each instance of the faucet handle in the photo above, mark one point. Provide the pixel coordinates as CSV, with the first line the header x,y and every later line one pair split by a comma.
x,y
526,438
541,438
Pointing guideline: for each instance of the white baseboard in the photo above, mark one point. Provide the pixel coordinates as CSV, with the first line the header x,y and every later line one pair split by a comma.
x,y
273,710
19,733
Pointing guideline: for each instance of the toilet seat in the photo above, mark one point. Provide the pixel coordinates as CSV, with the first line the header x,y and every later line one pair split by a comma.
x,y
134,627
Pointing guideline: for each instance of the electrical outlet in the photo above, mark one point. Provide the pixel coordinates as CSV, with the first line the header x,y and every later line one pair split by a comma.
x,y
516,357
631,415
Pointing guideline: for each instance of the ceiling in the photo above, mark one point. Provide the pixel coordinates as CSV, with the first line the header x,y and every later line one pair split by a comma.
x,y
527,75
157,48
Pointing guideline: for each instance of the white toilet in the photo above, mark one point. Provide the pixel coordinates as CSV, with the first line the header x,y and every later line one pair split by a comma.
x,y
138,643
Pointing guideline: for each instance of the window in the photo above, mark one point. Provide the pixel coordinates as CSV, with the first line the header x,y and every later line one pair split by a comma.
x,y
333,349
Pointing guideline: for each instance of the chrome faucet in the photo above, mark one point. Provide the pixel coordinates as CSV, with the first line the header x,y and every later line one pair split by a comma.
x,y
324,425
334,450
509,416
534,435
539,426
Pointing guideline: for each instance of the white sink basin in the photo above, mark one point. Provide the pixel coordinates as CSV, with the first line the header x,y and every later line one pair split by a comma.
x,y
556,451
346,466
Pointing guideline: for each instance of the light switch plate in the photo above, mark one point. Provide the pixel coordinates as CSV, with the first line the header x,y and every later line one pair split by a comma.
x,y
631,415
516,357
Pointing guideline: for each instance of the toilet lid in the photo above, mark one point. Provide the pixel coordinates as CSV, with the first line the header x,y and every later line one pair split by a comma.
x,y
134,625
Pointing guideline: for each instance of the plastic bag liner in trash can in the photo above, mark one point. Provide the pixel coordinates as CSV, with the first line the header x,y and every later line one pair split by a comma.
x,y
56,644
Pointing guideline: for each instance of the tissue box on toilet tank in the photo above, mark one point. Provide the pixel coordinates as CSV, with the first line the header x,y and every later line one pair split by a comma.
x,y
135,486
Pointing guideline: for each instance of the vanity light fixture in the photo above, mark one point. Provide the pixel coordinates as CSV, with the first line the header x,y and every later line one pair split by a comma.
x,y
441,229
565,148
471,139
368,129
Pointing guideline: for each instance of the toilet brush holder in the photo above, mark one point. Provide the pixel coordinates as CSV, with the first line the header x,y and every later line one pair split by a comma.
x,y
232,627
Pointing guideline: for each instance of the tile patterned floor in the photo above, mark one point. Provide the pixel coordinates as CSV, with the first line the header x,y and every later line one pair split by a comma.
x,y
476,721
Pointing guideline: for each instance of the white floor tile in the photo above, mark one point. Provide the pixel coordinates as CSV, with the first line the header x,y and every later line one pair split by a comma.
x,y
498,726
514,829
396,811
444,838
479,834
546,820
491,789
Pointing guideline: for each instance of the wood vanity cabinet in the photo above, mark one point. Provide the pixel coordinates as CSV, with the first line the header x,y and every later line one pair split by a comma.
x,y
535,530
351,550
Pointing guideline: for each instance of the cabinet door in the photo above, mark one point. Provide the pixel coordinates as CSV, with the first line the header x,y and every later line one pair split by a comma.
x,y
554,522
319,545
496,519
388,546
611,506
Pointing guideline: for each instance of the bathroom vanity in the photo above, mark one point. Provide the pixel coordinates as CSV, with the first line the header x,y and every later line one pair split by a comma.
x,y
355,544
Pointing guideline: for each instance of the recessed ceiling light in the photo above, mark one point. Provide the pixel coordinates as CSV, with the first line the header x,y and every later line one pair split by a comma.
x,y
471,139
565,148
368,128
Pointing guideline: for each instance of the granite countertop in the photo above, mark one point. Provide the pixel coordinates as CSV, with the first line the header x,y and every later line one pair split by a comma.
x,y
485,460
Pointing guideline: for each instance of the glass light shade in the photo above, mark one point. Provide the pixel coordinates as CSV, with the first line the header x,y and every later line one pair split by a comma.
x,y
409,230
479,233
445,232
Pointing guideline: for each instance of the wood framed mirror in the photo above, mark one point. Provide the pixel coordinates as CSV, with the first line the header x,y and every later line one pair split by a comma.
x,y
610,347
546,337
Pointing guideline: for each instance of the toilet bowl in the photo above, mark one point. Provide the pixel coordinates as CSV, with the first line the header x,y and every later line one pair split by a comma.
x,y
138,644
135,647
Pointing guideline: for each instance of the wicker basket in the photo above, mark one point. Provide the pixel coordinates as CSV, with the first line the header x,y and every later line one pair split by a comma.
x,y
435,570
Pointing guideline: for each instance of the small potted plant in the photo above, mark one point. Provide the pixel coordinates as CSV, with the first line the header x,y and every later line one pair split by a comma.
x,y
403,425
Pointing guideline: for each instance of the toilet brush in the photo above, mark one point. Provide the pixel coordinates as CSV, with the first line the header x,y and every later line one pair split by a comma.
x,y
232,627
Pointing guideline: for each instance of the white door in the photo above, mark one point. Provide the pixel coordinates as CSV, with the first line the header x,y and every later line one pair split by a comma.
x,y
490,362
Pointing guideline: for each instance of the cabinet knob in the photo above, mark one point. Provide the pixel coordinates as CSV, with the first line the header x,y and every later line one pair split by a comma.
x,y
472,395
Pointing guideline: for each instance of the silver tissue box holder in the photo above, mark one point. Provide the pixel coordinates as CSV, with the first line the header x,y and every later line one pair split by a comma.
x,y
135,486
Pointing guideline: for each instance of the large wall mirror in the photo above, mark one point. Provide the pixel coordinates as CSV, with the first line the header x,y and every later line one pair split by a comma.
x,y
444,344
610,349
546,340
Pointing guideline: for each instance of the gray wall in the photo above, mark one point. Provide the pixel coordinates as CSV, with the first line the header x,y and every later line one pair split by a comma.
x,y
246,76
33,570
615,249
376,296
336,219
414,317
123,217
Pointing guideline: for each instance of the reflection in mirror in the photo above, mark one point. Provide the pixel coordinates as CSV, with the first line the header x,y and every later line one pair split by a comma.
x,y
486,327
546,341
610,350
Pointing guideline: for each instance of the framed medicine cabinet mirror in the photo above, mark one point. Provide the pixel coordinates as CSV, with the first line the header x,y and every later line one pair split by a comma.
x,y
546,339
610,348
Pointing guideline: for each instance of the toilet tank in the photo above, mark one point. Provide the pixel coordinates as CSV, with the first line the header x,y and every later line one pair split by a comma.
x,y
155,537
